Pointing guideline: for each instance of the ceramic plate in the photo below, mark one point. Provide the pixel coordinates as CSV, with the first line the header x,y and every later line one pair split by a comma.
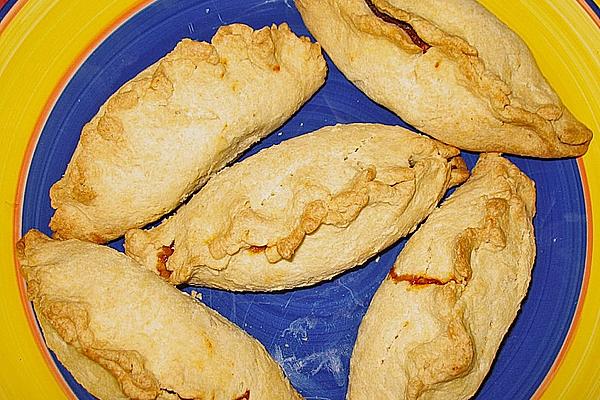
x,y
60,60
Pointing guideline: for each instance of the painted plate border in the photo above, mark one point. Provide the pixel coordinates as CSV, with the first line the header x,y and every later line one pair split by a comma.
x,y
40,51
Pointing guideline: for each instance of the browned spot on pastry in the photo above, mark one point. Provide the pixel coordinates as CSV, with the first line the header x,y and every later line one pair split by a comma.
x,y
276,68
261,48
88,133
21,246
551,112
81,190
123,101
471,238
405,26
575,134
96,238
345,206
244,396
464,246
458,171
196,52
287,246
110,128
433,363
313,216
416,280
163,256
33,289
127,366
161,85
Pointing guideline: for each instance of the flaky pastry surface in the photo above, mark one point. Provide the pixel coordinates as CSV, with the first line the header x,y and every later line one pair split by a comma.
x,y
302,211
125,334
166,131
451,69
435,324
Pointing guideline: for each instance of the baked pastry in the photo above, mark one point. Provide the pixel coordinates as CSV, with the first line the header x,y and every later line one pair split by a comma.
x,y
303,211
164,133
126,334
434,326
449,68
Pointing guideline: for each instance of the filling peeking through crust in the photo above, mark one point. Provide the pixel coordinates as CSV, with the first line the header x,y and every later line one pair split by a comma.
x,y
405,26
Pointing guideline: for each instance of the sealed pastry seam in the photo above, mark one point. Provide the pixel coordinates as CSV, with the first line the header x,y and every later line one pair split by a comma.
x,y
96,309
338,210
268,233
429,325
425,368
71,321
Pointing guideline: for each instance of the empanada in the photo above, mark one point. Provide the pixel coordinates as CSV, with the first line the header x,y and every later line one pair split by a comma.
x,y
165,132
302,211
126,334
449,68
434,326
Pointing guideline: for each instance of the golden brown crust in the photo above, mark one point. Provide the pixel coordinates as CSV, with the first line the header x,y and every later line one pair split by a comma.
x,y
202,104
303,211
126,334
425,367
71,321
338,210
476,86
436,322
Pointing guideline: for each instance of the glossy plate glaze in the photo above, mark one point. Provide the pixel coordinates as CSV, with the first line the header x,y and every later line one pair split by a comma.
x,y
59,60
